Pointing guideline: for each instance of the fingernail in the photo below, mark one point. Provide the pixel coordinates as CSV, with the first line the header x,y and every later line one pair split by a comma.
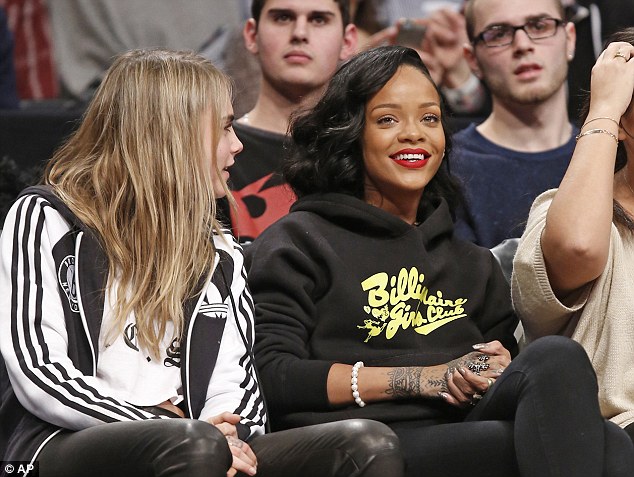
x,y
479,346
462,370
443,396
500,371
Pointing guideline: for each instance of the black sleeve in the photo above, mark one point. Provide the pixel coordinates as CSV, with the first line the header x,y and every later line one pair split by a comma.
x,y
284,281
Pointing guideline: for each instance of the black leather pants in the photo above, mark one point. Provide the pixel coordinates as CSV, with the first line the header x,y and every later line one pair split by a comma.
x,y
352,448
185,447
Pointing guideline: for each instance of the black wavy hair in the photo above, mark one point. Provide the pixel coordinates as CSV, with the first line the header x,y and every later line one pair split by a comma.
x,y
325,152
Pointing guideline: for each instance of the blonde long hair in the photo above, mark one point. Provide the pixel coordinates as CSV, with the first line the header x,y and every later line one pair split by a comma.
x,y
135,172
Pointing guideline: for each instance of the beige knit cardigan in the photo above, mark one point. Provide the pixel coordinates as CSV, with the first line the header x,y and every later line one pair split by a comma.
x,y
600,317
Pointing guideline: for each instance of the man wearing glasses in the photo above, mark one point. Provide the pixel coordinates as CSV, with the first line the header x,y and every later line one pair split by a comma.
x,y
520,50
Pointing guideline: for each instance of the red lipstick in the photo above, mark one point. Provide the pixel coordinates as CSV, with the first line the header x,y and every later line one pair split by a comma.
x,y
411,158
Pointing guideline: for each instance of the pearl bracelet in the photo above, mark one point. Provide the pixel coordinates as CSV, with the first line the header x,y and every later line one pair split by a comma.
x,y
354,379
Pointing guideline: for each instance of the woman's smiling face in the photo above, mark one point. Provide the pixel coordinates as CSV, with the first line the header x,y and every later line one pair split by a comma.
x,y
403,140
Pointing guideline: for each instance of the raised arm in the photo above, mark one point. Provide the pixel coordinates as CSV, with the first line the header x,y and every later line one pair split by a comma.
x,y
576,238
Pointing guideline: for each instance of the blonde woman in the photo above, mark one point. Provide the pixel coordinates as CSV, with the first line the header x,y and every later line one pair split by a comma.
x,y
124,302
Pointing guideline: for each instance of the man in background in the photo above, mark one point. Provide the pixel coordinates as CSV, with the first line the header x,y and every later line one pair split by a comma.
x,y
521,51
298,45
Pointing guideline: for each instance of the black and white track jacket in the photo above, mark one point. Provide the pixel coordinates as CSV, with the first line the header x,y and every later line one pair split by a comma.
x,y
52,279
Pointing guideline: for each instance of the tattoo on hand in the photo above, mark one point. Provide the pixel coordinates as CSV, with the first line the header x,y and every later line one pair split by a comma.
x,y
461,362
404,382
438,383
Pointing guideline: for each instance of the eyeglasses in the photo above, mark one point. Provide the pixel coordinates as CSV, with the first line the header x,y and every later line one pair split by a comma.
x,y
503,35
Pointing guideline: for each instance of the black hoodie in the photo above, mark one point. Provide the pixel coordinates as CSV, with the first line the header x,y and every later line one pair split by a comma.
x,y
338,280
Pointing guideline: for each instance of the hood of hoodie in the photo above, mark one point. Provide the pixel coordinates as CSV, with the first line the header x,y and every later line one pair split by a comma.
x,y
355,215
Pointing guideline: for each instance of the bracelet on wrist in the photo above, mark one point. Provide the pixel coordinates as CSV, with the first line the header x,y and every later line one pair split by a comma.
x,y
597,131
601,117
354,383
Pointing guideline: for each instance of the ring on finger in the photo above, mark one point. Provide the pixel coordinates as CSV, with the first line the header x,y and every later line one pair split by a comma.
x,y
477,367
475,398
618,54
489,383
232,441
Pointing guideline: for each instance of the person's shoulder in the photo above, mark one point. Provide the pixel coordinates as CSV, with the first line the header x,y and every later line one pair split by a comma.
x,y
35,215
295,230
462,246
37,198
291,223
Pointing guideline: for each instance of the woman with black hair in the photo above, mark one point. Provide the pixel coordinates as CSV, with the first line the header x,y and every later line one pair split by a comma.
x,y
368,306
126,324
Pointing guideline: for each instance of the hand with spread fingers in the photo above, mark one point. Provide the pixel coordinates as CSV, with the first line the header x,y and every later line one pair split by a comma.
x,y
470,377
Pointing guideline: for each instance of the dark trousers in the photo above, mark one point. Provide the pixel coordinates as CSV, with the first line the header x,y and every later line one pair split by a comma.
x,y
540,418
185,447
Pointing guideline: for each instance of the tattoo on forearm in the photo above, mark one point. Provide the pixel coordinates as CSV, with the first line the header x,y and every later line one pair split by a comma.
x,y
404,382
